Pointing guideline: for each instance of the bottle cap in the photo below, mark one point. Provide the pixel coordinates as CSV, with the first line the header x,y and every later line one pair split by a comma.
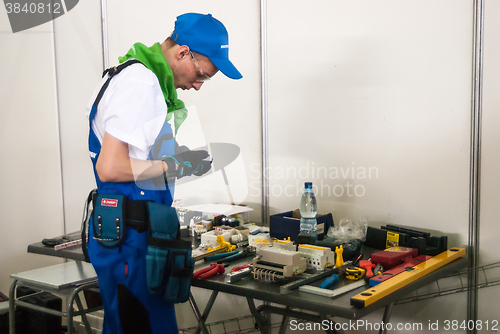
x,y
308,185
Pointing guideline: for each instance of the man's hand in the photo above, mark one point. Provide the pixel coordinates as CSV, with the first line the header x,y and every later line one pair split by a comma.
x,y
187,163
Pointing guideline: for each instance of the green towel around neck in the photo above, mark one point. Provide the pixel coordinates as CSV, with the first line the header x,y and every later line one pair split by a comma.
x,y
155,61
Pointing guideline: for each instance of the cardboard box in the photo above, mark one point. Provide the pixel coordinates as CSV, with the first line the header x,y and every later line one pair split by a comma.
x,y
287,224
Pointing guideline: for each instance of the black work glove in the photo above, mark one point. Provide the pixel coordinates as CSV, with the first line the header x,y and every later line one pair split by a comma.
x,y
189,162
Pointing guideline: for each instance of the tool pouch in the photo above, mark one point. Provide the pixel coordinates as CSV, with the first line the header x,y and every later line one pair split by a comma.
x,y
108,219
169,263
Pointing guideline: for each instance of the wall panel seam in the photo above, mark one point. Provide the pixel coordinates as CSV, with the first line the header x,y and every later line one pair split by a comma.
x,y
58,125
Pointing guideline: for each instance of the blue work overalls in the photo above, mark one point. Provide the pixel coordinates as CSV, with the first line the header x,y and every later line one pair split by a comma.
x,y
128,305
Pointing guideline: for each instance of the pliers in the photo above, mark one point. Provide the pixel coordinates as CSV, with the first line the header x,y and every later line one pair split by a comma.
x,y
210,271
249,251
219,256
230,256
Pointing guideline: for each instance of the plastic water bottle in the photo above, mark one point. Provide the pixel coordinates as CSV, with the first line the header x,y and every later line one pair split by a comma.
x,y
308,210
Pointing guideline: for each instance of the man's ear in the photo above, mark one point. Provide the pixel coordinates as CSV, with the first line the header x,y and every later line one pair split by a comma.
x,y
182,52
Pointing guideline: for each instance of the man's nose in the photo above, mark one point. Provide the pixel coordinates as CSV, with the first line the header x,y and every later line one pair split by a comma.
x,y
197,85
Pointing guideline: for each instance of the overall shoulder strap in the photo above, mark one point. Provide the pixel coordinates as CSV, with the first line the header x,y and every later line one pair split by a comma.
x,y
112,71
85,222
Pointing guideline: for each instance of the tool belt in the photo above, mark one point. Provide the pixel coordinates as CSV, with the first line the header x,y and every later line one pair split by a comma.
x,y
169,264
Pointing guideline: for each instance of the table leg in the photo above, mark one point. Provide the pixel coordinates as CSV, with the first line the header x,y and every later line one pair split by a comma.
x,y
69,311
83,315
202,318
12,308
284,322
287,312
262,322
386,317
332,329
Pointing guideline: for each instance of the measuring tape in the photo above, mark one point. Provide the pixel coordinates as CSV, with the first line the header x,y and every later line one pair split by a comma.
x,y
383,289
354,273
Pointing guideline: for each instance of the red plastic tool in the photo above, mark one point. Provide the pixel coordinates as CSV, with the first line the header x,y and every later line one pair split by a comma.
x,y
210,271
367,265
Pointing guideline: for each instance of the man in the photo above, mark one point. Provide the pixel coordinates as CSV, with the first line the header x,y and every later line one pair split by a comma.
x,y
134,153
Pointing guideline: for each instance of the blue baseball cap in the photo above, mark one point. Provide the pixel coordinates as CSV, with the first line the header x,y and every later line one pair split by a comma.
x,y
206,35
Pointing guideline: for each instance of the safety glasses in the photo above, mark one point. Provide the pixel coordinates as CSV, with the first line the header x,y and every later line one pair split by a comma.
x,y
200,75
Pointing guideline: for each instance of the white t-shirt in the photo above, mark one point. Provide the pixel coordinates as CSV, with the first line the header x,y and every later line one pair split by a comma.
x,y
132,109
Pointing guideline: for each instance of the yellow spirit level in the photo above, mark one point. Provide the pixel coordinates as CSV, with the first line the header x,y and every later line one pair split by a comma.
x,y
383,289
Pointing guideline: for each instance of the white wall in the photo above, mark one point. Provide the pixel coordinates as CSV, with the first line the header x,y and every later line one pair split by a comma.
x,y
374,85
30,198
379,86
